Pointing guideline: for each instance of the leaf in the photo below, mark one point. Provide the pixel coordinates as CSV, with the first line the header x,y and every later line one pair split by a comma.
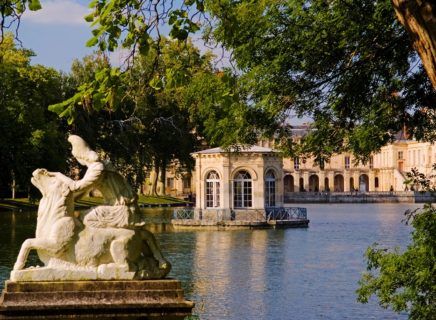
x,y
34,5
93,3
89,17
156,83
66,112
92,42
144,48
58,107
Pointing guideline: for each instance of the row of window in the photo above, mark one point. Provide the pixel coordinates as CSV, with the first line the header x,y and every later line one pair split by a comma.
x,y
322,163
242,190
412,157
338,183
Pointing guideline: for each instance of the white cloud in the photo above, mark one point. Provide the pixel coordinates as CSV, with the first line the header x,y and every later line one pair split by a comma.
x,y
58,12
118,57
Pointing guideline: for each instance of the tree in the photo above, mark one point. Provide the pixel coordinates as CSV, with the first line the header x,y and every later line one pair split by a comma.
x,y
405,281
164,99
347,64
109,131
418,17
30,136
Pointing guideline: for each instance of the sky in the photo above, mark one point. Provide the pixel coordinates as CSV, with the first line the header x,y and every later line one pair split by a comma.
x,y
58,33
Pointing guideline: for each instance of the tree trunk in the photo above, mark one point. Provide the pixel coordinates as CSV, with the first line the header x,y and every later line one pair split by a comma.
x,y
163,175
419,19
154,179
13,184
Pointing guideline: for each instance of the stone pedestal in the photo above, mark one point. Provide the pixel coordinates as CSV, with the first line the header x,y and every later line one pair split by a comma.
x,y
145,299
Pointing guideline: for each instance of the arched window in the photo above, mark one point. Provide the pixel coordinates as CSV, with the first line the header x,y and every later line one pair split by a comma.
x,y
288,183
339,183
270,189
313,183
242,190
363,183
212,190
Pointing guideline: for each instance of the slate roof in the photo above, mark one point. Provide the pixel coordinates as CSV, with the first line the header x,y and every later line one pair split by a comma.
x,y
252,149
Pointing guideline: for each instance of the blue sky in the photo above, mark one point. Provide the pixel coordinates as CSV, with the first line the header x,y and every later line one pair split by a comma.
x,y
57,33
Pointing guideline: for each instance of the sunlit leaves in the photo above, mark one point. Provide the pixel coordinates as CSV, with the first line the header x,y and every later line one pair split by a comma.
x,y
348,65
405,281
34,5
182,26
29,135
133,23
101,93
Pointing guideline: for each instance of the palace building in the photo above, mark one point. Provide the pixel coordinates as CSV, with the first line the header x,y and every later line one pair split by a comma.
x,y
258,177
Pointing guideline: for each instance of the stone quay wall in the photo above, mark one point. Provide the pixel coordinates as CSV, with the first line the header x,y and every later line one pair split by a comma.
x,y
360,197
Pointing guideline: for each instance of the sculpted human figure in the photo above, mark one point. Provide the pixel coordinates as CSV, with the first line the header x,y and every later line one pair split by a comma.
x,y
120,209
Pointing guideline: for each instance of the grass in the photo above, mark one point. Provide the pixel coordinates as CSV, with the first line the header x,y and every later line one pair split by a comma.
x,y
159,200
24,204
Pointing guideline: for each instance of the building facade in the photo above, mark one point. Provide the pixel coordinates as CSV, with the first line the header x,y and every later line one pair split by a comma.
x,y
385,171
239,183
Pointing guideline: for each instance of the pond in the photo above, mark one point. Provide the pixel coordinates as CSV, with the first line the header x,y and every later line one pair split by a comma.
x,y
265,274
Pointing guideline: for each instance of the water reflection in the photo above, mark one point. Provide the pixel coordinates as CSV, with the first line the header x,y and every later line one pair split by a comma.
x,y
264,274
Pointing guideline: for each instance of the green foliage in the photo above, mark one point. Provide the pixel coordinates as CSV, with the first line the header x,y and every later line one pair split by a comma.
x,y
347,64
11,10
30,136
218,107
405,281
182,26
418,181
131,23
166,103
100,93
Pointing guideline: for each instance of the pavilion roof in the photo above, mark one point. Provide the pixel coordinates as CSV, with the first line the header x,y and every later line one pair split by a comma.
x,y
241,149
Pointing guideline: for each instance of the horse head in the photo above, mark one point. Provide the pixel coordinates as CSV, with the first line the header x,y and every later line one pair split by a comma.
x,y
57,199
48,183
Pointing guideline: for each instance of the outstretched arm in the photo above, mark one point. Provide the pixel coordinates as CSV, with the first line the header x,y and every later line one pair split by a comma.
x,y
91,176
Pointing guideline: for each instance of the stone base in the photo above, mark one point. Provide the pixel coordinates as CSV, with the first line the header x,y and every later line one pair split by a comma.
x,y
103,272
192,224
149,299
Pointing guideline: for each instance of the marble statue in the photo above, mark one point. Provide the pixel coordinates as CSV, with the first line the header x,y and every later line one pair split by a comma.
x,y
105,242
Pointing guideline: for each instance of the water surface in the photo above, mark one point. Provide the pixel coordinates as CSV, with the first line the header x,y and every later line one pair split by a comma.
x,y
266,274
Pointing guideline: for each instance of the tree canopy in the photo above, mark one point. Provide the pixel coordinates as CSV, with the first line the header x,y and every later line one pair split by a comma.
x,y
405,281
30,135
349,65
168,101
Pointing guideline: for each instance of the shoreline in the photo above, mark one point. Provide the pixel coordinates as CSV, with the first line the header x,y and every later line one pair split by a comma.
x,y
24,204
